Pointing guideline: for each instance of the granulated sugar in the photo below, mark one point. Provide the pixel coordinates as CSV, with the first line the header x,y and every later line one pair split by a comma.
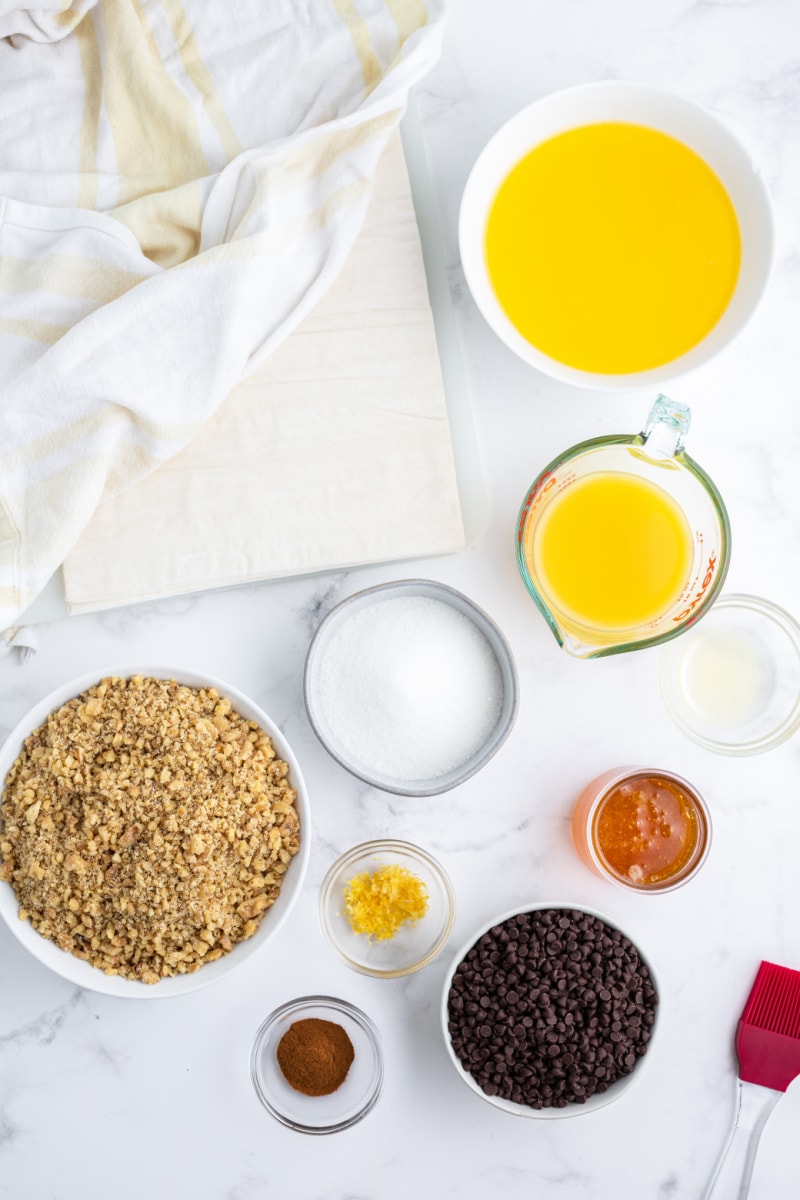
x,y
409,688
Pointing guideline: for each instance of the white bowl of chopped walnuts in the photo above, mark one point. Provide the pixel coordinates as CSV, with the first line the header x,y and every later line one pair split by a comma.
x,y
154,830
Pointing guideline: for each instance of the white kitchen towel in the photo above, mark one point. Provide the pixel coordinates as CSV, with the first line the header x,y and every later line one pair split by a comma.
x,y
179,184
335,452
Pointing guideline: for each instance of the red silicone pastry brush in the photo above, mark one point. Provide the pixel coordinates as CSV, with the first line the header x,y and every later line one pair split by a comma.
x,y
768,1048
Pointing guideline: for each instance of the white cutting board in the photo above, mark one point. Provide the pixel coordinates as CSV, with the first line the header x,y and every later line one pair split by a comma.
x,y
372,382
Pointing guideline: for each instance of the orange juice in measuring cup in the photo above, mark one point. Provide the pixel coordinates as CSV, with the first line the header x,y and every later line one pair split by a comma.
x,y
624,541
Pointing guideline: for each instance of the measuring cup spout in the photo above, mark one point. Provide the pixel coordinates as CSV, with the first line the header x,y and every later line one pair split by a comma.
x,y
577,648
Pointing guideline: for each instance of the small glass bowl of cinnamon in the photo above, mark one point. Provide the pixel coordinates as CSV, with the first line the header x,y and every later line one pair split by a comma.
x,y
317,1064
642,829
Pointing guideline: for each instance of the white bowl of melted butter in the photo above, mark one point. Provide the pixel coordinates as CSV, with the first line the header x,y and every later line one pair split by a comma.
x,y
615,235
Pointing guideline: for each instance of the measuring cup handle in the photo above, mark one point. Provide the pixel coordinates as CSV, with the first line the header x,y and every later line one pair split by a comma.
x,y
666,427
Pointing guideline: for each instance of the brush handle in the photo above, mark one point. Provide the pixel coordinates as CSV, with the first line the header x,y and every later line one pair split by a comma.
x,y
731,1178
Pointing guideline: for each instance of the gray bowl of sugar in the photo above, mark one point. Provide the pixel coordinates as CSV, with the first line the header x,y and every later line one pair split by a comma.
x,y
410,686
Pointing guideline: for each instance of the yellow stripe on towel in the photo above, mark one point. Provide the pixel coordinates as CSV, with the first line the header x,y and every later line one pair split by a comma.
x,y
309,161
36,331
269,243
66,275
200,76
359,32
34,454
157,142
86,36
409,16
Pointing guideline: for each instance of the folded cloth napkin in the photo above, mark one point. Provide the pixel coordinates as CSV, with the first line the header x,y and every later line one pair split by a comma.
x,y
179,184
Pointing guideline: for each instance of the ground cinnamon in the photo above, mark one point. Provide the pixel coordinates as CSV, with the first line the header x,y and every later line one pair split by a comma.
x,y
315,1056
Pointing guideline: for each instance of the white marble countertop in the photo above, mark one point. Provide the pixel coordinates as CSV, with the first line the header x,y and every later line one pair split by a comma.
x,y
108,1098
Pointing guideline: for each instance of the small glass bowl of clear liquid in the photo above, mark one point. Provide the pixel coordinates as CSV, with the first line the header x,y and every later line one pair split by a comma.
x,y
732,683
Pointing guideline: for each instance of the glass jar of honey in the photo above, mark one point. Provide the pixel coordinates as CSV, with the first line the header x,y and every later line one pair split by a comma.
x,y
642,828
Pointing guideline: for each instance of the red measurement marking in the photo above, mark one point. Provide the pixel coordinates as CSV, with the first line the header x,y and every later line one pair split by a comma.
x,y
534,497
709,575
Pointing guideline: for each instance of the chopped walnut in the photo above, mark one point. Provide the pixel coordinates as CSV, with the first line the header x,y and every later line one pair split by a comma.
x,y
147,827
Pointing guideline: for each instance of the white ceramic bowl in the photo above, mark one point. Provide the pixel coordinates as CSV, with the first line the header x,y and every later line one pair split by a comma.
x,y
636,104
82,973
432,590
614,1092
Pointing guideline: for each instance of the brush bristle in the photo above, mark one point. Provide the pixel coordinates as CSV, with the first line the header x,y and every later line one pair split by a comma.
x,y
774,1000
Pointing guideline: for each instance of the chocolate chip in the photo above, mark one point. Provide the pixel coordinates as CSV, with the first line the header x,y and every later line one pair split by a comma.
x,y
550,1008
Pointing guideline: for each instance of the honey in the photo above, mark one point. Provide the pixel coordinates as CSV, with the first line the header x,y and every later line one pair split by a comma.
x,y
641,828
647,829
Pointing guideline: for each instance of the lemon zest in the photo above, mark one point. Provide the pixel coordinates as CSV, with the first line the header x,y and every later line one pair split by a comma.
x,y
378,903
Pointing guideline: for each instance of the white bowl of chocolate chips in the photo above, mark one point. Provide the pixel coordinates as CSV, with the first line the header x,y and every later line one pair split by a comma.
x,y
549,1011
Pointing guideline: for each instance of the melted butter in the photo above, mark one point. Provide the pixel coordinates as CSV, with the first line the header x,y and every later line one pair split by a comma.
x,y
613,248
611,552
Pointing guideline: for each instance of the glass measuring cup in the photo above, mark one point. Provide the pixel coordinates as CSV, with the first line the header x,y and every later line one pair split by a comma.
x,y
630,486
